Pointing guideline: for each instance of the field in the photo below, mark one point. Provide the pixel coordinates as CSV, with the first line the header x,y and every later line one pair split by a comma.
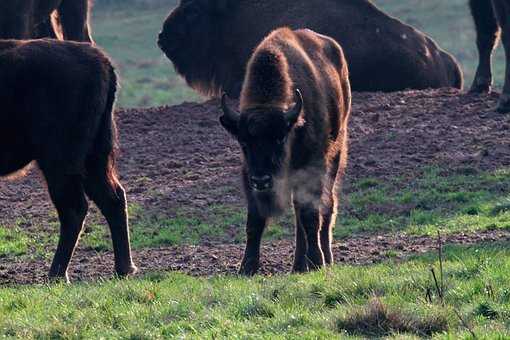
x,y
427,170
418,165
129,33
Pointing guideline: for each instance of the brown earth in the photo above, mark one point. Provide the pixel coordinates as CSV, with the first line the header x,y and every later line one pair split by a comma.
x,y
176,159
221,259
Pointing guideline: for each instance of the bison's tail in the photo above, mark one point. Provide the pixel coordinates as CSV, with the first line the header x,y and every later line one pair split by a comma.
x,y
111,127
106,145
347,97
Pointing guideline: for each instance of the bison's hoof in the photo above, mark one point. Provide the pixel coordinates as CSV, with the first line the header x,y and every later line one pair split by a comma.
x,y
59,278
129,271
249,268
504,103
481,86
300,267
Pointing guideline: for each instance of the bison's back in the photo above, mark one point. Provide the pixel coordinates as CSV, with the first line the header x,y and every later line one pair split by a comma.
x,y
383,53
54,96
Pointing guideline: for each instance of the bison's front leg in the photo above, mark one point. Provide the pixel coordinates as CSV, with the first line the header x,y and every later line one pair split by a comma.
x,y
69,199
74,18
255,226
502,8
309,218
300,264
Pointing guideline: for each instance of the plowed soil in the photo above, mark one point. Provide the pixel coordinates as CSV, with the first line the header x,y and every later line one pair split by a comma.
x,y
179,158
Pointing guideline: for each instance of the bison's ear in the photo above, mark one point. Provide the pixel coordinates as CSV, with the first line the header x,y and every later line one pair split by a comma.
x,y
230,118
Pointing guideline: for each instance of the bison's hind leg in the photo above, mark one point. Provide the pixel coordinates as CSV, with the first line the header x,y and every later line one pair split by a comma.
x,y
74,20
502,8
328,220
105,190
487,31
329,206
66,192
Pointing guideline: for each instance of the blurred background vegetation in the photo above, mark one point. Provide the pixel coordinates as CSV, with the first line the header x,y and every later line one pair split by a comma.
x,y
127,30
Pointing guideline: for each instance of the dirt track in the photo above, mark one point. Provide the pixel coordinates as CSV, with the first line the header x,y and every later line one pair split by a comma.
x,y
179,159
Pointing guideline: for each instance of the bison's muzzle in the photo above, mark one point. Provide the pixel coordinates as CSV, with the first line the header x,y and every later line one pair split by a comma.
x,y
261,183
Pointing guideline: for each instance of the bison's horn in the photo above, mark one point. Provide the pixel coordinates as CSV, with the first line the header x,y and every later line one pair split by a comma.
x,y
292,115
229,113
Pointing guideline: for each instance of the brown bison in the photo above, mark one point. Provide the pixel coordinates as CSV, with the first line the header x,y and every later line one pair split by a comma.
x,y
292,128
210,41
25,19
490,18
57,99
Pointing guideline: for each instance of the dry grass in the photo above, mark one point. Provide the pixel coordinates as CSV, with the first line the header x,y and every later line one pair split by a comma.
x,y
376,319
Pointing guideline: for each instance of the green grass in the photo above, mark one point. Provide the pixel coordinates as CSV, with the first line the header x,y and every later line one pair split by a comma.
x,y
13,242
316,305
433,201
147,230
128,33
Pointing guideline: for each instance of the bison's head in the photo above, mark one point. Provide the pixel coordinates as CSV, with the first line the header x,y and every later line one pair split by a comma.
x,y
263,136
188,37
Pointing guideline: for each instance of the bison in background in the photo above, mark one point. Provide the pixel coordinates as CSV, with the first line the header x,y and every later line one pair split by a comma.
x,y
26,19
57,100
491,17
210,42
295,107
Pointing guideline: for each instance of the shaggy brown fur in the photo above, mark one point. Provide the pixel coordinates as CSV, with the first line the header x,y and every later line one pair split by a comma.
x,y
57,110
294,142
491,18
210,42
25,19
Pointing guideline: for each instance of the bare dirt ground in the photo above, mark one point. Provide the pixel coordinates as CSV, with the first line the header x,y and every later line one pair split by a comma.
x,y
223,259
178,158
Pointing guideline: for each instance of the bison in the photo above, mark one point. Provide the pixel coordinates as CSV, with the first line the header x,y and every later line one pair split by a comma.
x,y
292,128
491,17
57,100
210,42
25,19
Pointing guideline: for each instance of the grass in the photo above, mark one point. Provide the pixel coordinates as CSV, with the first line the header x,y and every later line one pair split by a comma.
x,y
330,304
13,242
128,33
449,202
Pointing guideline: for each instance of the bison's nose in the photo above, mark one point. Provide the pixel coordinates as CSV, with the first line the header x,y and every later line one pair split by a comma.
x,y
261,183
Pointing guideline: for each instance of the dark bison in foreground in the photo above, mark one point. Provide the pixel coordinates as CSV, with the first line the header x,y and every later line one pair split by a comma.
x,y
25,19
210,42
57,99
295,106
491,17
